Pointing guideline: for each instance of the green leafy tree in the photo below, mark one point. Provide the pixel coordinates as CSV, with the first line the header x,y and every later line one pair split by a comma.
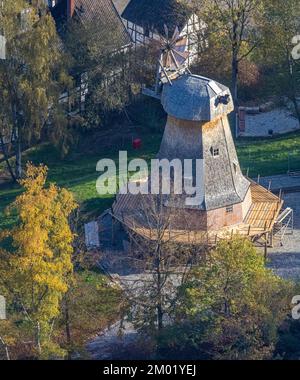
x,y
91,304
233,25
231,307
32,75
281,25
164,264
101,65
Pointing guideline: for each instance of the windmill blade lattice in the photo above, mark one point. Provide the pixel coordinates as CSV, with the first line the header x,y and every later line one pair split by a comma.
x,y
172,60
173,56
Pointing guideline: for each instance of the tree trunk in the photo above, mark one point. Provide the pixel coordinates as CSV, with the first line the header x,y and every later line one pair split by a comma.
x,y
18,157
234,80
159,307
159,316
5,348
67,326
6,158
234,89
235,63
293,87
38,338
296,106
17,136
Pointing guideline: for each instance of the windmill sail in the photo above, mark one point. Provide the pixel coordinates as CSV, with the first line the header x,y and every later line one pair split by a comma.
x,y
172,60
173,57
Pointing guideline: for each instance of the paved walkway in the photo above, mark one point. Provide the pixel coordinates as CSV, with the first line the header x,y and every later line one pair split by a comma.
x,y
284,182
285,259
114,343
279,120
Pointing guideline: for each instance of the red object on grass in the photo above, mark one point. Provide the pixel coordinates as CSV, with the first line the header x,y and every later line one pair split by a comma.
x,y
137,143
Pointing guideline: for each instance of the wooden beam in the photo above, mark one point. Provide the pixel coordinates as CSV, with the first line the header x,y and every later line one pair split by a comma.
x,y
266,249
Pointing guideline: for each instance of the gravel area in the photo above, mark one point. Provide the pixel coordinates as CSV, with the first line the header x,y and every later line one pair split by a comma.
x,y
284,182
113,343
285,259
279,120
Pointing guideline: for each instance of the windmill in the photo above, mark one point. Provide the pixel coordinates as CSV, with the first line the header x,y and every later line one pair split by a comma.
x,y
197,129
172,60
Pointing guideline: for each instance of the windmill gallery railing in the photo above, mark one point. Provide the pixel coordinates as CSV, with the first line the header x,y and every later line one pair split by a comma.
x,y
284,224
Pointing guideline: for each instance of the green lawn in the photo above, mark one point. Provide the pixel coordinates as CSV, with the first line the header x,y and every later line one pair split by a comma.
x,y
270,156
77,172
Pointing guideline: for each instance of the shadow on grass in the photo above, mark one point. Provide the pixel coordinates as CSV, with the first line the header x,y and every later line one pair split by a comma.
x,y
94,207
7,195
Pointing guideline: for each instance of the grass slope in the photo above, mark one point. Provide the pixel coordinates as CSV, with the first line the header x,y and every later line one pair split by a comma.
x,y
77,173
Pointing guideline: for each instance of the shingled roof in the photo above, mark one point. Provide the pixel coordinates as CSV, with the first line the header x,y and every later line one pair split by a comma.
x,y
195,98
102,12
155,14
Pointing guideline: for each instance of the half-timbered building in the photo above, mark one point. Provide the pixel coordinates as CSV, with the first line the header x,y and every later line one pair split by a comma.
x,y
104,16
146,20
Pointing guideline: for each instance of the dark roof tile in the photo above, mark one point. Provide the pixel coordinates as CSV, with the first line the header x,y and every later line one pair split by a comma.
x,y
101,11
154,14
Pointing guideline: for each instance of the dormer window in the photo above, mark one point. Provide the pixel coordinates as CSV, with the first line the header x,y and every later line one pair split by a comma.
x,y
215,152
229,210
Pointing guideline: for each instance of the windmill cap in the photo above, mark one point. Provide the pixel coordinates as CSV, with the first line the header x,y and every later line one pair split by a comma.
x,y
195,98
